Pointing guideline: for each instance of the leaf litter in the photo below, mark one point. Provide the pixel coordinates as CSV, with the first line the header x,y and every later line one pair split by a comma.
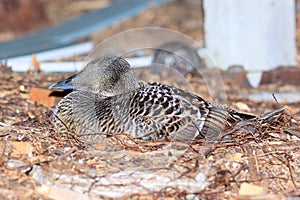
x,y
39,162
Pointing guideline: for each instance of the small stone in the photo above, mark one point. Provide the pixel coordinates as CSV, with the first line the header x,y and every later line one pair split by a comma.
x,y
251,190
282,76
22,88
242,106
235,75
30,115
22,148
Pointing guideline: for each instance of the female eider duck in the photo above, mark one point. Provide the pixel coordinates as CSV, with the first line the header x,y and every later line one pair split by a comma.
x,y
107,98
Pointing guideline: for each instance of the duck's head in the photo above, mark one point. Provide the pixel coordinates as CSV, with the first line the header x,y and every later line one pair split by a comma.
x,y
108,76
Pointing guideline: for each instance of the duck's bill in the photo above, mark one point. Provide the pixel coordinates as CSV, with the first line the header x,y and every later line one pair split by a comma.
x,y
66,84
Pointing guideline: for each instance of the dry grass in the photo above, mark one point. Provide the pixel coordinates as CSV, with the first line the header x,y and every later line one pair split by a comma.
x,y
39,162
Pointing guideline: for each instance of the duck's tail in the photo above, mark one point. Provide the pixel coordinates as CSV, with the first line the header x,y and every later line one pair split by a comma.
x,y
221,117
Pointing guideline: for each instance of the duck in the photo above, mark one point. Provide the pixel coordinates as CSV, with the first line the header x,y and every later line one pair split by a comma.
x,y
106,98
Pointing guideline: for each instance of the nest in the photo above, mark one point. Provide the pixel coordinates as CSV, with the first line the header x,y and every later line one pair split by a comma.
x,y
39,162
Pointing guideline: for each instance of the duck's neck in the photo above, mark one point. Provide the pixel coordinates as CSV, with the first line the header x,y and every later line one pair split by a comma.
x,y
124,85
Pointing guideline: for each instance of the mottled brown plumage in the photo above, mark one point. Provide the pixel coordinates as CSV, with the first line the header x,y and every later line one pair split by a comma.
x,y
104,104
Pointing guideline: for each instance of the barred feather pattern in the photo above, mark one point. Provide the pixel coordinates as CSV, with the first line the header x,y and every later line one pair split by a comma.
x,y
153,111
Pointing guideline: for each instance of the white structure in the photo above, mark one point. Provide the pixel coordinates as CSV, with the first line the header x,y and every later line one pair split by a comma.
x,y
258,34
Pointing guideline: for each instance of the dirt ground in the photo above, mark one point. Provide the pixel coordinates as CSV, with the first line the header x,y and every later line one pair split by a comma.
x,y
40,162
256,160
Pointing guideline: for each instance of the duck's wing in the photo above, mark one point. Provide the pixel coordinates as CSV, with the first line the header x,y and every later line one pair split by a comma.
x,y
215,117
157,111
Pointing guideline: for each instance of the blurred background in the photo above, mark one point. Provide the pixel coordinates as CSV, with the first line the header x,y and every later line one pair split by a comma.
x,y
255,44
212,24
19,17
253,34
